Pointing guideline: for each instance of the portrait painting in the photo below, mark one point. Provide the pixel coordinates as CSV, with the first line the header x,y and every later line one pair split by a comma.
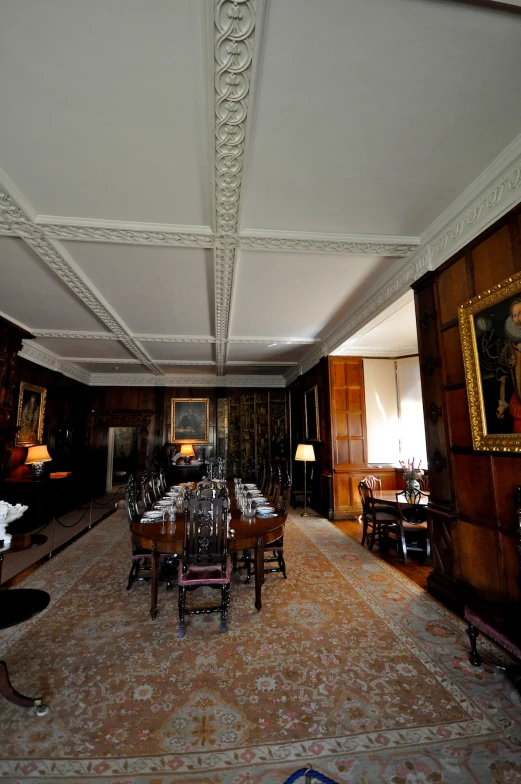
x,y
311,414
31,412
189,420
490,327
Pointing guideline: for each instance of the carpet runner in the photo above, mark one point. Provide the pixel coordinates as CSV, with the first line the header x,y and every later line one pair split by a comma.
x,y
349,667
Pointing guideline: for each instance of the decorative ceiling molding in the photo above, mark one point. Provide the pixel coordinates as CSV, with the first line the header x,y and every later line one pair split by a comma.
x,y
42,356
259,363
62,265
140,380
398,351
174,338
5,231
234,44
74,334
306,242
285,341
174,236
127,361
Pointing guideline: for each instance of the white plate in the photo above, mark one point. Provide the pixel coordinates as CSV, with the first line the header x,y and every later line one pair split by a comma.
x,y
152,515
266,514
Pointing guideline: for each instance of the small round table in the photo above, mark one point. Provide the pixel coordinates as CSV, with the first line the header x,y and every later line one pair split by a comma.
x,y
16,606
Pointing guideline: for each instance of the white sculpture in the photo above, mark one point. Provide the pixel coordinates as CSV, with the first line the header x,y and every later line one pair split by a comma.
x,y
8,513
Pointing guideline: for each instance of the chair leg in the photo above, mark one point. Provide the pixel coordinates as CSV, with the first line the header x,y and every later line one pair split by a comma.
x,y
474,657
282,564
132,575
404,548
364,529
248,570
373,536
182,599
225,601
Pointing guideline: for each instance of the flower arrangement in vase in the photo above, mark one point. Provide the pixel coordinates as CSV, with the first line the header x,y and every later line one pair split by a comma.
x,y
412,475
8,513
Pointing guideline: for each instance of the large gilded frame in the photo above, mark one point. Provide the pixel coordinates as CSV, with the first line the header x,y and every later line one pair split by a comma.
x,y
27,393
478,397
180,407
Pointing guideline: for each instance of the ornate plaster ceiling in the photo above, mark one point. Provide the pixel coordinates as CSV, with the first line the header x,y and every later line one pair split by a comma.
x,y
223,191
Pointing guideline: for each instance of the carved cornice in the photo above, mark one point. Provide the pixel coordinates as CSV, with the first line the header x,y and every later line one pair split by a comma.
x,y
324,245
128,379
75,334
285,341
42,356
394,353
130,236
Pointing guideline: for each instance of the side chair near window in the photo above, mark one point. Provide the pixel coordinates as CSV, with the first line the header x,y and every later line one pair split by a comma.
x,y
499,621
380,517
205,560
372,483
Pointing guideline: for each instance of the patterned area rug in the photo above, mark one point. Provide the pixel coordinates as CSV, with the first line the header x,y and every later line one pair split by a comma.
x,y
349,667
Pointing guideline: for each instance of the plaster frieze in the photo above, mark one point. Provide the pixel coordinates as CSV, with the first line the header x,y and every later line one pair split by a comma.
x,y
42,356
174,338
127,236
74,334
127,379
310,245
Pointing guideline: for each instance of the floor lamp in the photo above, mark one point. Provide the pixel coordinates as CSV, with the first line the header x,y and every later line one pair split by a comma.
x,y
305,452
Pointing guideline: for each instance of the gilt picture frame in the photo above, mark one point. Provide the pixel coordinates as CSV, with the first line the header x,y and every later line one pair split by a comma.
x,y
311,415
30,415
189,420
490,329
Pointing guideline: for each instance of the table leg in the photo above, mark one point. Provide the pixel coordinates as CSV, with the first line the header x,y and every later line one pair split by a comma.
x,y
259,571
155,570
9,692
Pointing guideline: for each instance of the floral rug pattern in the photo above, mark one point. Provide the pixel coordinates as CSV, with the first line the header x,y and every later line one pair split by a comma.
x,y
349,667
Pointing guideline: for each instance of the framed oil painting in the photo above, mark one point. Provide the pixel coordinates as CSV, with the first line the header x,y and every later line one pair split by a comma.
x,y
189,420
311,414
490,327
31,412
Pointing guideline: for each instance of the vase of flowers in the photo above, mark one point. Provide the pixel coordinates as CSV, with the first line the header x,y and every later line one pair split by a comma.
x,y
8,513
411,474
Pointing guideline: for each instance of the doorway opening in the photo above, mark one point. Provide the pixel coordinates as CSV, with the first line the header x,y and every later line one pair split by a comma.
x,y
122,458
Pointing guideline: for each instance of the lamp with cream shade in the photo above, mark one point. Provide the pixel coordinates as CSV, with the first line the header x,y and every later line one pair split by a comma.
x,y
305,453
187,451
36,457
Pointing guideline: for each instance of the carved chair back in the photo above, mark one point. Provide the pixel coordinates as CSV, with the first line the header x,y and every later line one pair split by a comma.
x,y
415,512
372,482
206,531
131,500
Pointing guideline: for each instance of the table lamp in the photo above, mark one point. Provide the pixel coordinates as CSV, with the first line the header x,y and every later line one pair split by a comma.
x,y
187,451
36,457
305,452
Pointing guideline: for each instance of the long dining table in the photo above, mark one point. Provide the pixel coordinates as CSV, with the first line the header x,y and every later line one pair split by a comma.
x,y
244,533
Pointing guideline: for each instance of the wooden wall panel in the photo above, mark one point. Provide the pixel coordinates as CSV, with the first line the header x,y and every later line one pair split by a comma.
x,y
453,290
480,559
492,260
453,356
458,417
474,530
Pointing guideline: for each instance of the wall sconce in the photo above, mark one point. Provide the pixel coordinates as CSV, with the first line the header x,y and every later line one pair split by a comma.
x,y
36,457
187,451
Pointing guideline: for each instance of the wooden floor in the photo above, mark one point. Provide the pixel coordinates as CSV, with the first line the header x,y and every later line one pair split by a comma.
x,y
412,569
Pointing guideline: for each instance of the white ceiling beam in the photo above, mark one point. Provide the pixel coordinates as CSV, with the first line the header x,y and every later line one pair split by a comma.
x,y
122,232
61,264
314,242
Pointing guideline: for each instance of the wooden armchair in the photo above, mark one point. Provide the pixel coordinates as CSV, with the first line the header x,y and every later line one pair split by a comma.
x,y
379,516
500,622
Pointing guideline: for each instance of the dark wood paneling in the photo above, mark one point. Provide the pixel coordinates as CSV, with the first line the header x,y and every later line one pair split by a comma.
x,y
492,260
452,356
475,489
458,416
453,289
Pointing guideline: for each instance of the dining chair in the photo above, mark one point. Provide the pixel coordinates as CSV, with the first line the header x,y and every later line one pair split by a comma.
x,y
424,483
274,552
372,482
412,533
380,516
205,560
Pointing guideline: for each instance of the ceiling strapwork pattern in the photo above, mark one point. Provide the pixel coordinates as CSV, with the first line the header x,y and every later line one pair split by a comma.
x,y
223,191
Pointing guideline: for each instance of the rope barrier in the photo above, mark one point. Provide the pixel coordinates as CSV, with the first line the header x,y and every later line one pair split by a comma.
x,y
64,525
309,773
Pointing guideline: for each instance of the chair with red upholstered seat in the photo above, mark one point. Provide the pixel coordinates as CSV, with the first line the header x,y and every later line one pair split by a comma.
x,y
205,560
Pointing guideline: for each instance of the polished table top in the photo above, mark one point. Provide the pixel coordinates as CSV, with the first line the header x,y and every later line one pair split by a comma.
x,y
390,495
245,533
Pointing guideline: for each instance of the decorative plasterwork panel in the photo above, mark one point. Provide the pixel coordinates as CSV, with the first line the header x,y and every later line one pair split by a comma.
x,y
286,341
174,339
234,40
63,333
124,380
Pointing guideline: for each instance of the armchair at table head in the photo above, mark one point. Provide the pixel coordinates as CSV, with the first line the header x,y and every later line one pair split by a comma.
x,y
205,560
